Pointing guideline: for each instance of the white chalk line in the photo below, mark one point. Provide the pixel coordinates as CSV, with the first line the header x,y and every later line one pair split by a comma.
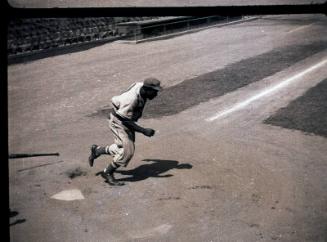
x,y
266,91
300,28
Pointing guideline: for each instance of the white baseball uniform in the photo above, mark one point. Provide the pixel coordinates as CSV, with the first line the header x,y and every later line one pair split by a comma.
x,y
128,106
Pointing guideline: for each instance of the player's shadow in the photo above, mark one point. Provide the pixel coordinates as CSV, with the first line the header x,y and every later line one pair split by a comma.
x,y
155,169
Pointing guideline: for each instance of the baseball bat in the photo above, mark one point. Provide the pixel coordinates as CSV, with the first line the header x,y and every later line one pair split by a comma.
x,y
24,155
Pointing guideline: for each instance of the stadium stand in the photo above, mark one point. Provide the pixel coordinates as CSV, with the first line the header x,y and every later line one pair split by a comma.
x,y
37,34
29,36
33,35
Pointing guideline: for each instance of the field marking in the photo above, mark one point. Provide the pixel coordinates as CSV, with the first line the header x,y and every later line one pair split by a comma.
x,y
300,28
157,231
266,92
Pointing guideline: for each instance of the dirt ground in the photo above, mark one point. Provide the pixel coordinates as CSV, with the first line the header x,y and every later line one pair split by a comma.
x,y
232,178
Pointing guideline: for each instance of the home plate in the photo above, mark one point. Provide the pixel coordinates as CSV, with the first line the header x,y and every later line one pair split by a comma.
x,y
69,195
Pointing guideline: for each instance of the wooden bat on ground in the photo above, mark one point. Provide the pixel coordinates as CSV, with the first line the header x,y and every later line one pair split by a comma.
x,y
24,155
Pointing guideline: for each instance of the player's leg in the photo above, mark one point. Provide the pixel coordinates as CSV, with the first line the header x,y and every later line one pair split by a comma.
x,y
108,174
122,151
121,158
124,147
97,151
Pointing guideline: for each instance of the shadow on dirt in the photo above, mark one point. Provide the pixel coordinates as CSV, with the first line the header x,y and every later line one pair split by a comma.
x,y
18,221
155,169
306,113
191,92
14,214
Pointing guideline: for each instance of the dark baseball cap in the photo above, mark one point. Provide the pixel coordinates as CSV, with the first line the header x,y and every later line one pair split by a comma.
x,y
152,83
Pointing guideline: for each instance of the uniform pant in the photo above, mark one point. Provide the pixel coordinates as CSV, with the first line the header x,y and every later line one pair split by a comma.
x,y
123,148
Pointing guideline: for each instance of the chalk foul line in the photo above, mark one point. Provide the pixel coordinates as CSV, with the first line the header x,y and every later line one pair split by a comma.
x,y
266,92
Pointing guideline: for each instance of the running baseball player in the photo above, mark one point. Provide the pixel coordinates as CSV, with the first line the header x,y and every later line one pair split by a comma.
x,y
127,109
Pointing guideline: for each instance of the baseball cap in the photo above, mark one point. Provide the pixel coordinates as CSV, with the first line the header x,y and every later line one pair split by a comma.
x,y
152,83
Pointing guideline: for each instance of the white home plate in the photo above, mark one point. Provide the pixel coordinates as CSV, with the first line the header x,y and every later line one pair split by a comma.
x,y
69,195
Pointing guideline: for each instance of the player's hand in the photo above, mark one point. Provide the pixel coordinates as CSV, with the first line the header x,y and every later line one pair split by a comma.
x,y
149,132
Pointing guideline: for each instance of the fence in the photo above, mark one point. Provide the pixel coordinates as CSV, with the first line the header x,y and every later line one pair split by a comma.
x,y
140,31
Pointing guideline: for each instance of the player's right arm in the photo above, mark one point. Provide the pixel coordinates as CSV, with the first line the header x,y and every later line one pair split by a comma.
x,y
146,131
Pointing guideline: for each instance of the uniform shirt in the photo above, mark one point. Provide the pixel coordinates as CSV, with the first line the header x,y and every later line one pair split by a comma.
x,y
129,104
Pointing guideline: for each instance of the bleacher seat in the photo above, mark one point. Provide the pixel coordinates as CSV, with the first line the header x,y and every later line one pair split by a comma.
x,y
34,34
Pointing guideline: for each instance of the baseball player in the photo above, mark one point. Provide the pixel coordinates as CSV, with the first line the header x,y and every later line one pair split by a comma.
x,y
127,109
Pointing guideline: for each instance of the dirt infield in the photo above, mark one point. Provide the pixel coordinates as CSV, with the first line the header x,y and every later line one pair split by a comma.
x,y
307,113
232,179
212,85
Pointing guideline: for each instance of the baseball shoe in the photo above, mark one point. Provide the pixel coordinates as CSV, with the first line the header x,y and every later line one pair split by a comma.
x,y
93,155
111,179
